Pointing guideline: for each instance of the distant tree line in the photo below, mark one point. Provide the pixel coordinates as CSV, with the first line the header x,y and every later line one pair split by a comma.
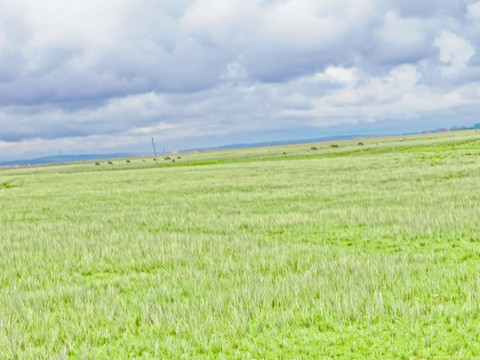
x,y
458,128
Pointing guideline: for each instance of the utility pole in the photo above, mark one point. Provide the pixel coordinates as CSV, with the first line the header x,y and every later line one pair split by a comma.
x,y
155,151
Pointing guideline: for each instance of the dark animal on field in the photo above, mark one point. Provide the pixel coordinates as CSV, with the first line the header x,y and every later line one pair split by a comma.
x,y
179,157
154,159
128,161
313,148
173,160
334,146
143,160
110,163
97,164
360,144
166,158
284,153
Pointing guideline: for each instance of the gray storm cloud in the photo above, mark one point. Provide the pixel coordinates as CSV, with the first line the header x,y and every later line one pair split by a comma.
x,y
86,74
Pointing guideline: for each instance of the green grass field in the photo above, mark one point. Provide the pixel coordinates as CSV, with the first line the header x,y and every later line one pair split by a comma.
x,y
366,252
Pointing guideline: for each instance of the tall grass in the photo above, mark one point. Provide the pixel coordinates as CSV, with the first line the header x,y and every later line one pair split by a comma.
x,y
355,253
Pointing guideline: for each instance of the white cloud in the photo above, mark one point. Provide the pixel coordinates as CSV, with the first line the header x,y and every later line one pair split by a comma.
x,y
232,17
455,52
399,94
235,72
377,90
335,74
474,11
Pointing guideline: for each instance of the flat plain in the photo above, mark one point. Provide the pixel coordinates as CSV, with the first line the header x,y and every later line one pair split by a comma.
x,y
355,252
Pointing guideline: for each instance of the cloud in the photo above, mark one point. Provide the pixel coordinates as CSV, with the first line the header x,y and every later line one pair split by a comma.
x,y
398,95
427,8
235,72
455,52
473,11
403,40
206,71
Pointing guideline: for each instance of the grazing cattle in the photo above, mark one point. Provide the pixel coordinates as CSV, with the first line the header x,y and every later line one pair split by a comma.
x,y
128,161
154,159
313,148
360,144
173,160
179,157
110,163
97,164
334,146
284,153
167,158
143,160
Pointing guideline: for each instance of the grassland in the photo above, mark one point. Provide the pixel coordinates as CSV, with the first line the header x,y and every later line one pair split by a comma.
x,y
366,252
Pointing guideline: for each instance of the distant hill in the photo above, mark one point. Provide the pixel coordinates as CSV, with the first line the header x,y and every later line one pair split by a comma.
x,y
290,142
62,159
75,158
285,142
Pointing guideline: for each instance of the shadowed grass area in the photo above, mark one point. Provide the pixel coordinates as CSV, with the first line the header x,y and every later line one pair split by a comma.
x,y
355,252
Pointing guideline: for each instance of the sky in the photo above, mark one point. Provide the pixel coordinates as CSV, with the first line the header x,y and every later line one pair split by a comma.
x,y
105,76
